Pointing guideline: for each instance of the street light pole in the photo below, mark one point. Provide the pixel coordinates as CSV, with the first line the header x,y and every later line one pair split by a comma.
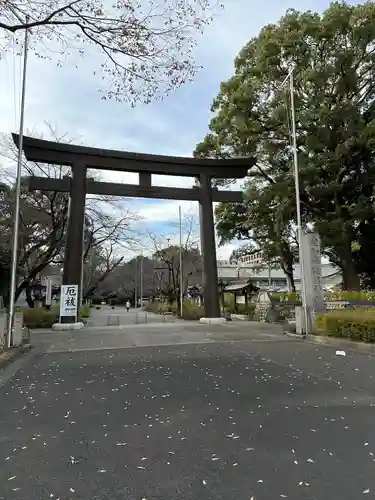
x,y
298,205
136,283
13,279
181,273
141,277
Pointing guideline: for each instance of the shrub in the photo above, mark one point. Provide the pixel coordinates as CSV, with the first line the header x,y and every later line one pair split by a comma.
x,y
245,309
85,311
229,302
160,307
42,318
353,324
157,307
231,308
191,311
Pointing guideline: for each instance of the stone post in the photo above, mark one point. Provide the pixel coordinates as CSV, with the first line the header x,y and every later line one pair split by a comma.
x,y
312,267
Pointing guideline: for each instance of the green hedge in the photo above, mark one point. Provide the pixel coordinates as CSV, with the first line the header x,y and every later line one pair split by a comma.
x,y
363,295
42,318
354,324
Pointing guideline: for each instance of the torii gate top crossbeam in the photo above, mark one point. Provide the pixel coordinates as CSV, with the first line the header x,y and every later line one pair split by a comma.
x,y
42,151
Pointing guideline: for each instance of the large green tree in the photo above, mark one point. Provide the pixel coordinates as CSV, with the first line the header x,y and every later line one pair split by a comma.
x,y
263,220
333,56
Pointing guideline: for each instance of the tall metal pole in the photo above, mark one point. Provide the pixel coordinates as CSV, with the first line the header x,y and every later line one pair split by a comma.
x,y
16,222
269,275
141,277
298,204
136,283
181,270
83,265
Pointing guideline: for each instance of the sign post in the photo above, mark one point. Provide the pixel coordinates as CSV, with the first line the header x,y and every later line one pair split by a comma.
x,y
69,302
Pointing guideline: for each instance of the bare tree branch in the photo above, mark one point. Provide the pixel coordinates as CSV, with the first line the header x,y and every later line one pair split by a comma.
x,y
146,48
44,222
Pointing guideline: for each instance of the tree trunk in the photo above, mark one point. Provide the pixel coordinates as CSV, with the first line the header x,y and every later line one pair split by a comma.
x,y
287,267
350,277
29,298
290,279
6,299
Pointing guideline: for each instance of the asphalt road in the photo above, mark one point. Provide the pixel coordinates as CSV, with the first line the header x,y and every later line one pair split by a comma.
x,y
223,420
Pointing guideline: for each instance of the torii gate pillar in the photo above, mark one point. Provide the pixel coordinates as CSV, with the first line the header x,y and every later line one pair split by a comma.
x,y
208,247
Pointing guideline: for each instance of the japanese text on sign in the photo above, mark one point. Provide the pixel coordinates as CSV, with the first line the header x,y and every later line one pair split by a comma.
x,y
69,300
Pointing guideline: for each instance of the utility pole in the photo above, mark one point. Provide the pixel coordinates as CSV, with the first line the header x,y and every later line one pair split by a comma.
x,y
269,275
290,78
136,283
16,221
181,273
141,278
298,206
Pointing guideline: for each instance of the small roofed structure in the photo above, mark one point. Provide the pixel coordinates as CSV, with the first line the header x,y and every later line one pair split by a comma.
x,y
241,292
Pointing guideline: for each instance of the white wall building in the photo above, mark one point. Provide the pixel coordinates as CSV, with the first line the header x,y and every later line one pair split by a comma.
x,y
252,259
266,276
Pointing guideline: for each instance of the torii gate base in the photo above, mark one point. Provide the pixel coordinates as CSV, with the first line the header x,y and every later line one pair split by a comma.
x,y
81,158
67,327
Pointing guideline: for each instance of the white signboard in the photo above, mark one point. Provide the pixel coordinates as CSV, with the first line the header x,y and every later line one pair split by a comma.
x,y
69,300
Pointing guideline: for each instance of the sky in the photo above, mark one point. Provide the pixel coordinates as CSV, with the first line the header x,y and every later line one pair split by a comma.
x,y
67,98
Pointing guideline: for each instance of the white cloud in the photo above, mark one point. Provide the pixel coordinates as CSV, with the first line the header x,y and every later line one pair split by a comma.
x,y
167,211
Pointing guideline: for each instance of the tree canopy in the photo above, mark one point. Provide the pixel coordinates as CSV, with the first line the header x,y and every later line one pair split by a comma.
x,y
145,48
333,56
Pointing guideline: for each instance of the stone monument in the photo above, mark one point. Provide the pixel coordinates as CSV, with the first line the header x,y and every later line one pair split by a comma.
x,y
312,276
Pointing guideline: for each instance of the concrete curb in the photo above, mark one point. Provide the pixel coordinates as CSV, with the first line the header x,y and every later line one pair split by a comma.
x,y
341,343
295,335
14,354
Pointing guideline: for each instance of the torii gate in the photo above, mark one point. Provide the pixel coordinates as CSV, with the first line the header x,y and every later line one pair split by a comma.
x,y
80,158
